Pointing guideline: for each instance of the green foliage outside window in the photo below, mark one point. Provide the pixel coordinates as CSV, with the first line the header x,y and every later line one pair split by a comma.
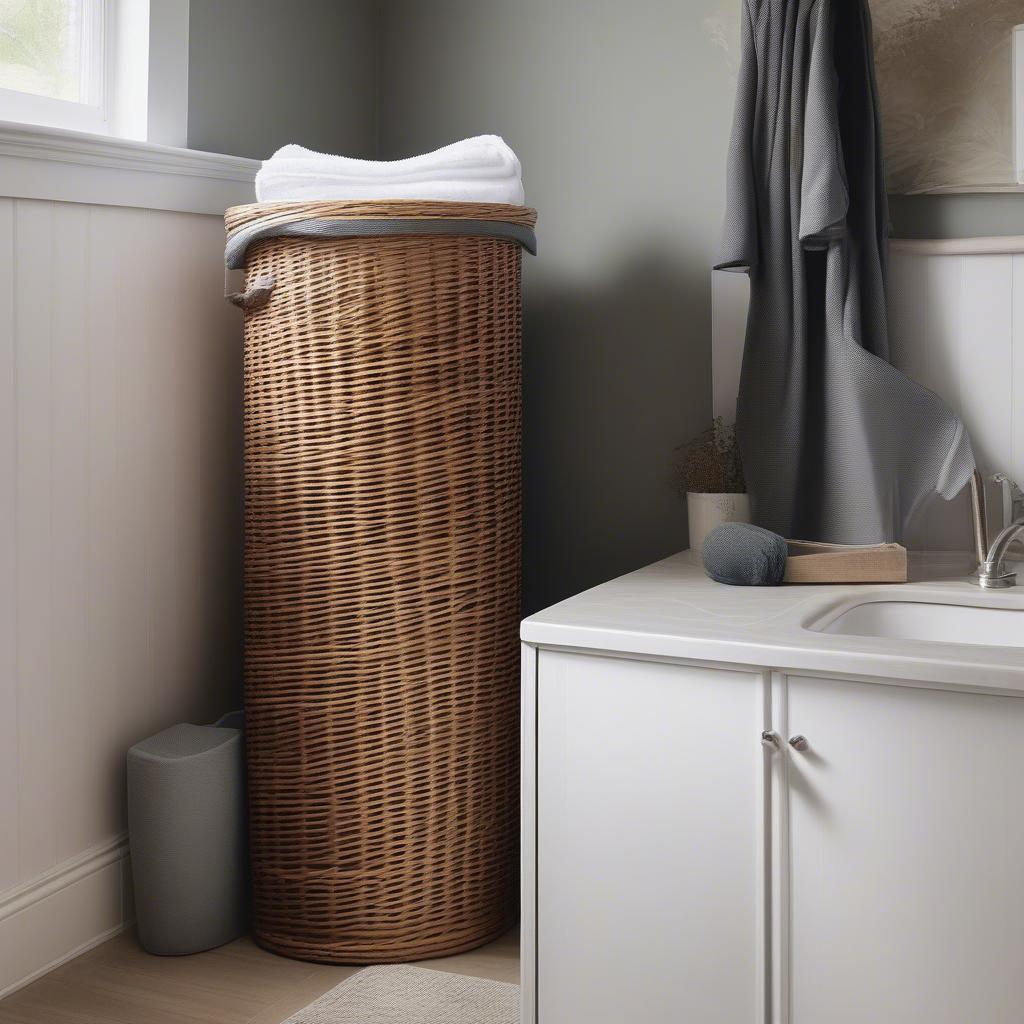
x,y
40,47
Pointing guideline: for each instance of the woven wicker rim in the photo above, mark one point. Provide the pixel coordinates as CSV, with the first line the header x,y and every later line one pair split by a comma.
x,y
408,209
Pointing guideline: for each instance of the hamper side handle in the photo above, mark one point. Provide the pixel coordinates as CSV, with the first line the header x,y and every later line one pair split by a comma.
x,y
256,296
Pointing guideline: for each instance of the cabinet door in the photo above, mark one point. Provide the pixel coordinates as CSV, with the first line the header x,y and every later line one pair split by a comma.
x,y
907,855
649,843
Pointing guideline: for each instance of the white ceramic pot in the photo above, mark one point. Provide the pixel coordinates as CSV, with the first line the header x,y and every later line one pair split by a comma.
x,y
706,511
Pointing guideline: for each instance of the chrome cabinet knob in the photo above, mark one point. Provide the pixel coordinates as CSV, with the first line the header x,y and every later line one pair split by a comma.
x,y
770,739
799,742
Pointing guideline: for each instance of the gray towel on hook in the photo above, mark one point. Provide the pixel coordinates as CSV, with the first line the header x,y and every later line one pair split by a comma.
x,y
837,444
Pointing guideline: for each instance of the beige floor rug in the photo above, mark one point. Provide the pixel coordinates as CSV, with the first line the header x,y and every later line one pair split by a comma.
x,y
413,995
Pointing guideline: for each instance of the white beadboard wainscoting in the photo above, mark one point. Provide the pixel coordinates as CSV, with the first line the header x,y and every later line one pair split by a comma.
x,y
956,309
120,535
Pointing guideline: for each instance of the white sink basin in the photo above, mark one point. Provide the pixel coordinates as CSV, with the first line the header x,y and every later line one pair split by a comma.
x,y
918,620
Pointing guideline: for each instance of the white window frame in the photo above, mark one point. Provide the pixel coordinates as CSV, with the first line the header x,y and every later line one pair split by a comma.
x,y
137,89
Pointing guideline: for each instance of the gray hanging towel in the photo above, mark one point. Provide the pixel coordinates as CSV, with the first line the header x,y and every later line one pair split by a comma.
x,y
837,444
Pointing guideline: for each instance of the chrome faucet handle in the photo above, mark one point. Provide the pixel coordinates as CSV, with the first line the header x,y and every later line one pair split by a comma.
x,y
979,517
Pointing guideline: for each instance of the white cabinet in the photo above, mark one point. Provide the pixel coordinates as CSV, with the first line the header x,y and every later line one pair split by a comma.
x,y
649,793
678,868
906,855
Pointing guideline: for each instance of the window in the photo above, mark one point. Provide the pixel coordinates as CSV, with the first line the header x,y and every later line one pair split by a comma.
x,y
109,67
53,63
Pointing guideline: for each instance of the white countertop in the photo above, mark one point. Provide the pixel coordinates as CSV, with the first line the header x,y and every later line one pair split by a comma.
x,y
672,610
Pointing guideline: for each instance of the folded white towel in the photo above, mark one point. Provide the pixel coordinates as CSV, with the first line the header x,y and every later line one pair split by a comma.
x,y
481,170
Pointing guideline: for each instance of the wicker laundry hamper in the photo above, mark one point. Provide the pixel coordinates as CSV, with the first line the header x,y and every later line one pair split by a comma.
x,y
382,573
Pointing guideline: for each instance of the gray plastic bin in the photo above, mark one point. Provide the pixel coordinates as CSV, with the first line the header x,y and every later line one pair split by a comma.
x,y
186,824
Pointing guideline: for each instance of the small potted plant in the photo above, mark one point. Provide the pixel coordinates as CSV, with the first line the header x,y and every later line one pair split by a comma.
x,y
711,477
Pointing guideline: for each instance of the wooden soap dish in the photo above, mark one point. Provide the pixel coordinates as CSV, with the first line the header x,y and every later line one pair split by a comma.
x,y
816,562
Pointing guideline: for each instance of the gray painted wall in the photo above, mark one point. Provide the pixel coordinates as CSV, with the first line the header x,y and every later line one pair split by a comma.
x,y
263,73
620,114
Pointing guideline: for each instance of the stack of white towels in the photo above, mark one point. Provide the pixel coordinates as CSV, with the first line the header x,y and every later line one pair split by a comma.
x,y
478,170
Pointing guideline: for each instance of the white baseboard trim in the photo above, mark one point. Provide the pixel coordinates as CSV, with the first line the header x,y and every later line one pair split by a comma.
x,y
61,914
13,901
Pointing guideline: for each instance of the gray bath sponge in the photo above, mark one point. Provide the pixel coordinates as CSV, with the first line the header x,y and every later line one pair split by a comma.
x,y
743,555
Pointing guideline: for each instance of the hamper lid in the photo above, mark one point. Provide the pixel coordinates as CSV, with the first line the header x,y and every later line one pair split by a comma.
x,y
256,221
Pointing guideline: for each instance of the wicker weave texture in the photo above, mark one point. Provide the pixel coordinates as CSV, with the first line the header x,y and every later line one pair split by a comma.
x,y
382,581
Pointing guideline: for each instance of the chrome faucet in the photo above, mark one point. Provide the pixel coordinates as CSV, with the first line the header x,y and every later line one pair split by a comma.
x,y
992,573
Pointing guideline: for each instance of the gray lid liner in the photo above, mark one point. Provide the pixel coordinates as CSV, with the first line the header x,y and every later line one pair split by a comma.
x,y
238,241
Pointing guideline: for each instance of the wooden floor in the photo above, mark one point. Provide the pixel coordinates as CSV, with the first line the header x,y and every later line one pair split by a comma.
x,y
117,983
